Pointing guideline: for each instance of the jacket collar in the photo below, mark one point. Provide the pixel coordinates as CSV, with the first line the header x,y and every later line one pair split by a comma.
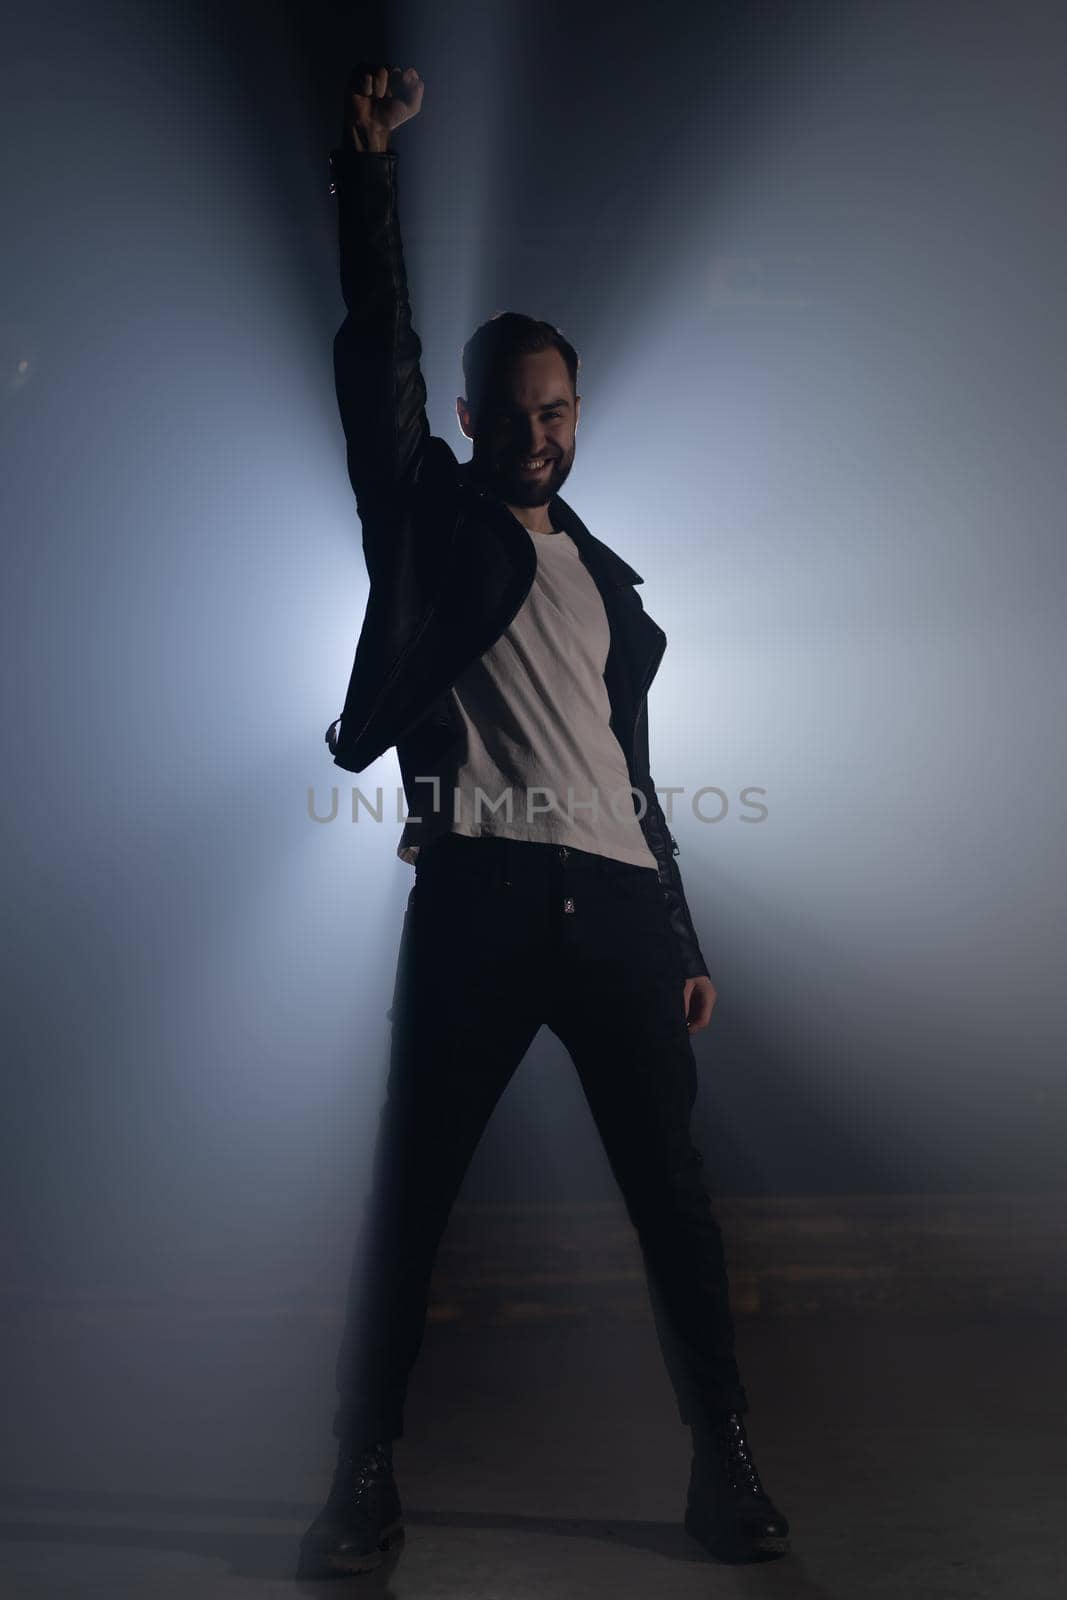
x,y
596,554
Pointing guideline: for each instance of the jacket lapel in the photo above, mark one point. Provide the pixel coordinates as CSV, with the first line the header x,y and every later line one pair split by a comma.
x,y
637,642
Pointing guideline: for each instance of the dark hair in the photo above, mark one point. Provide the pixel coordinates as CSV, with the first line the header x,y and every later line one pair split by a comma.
x,y
495,344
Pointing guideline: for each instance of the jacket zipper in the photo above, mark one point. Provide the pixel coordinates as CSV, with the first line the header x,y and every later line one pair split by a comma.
x,y
402,657
649,675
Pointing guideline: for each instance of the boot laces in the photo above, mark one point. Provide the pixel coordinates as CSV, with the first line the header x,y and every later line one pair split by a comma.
x,y
741,1466
363,1470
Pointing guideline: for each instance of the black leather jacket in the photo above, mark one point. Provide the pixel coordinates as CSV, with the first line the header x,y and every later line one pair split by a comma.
x,y
449,564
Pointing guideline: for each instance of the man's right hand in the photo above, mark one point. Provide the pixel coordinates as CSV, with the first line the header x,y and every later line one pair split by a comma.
x,y
378,100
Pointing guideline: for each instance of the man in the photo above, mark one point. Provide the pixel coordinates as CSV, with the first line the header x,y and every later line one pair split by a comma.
x,y
507,656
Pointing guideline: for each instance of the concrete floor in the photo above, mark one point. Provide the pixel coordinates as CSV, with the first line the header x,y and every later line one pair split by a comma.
x,y
156,1456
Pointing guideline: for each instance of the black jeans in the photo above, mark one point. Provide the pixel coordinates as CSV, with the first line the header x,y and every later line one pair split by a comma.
x,y
501,936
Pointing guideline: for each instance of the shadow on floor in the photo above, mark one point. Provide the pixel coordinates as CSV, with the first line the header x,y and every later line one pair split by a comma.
x,y
274,1554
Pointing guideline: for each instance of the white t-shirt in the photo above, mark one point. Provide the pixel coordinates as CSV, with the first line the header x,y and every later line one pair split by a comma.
x,y
540,759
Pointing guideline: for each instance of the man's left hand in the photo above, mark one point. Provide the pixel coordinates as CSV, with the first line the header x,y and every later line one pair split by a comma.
x,y
699,1002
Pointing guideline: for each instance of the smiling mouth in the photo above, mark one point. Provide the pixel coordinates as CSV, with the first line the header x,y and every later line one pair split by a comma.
x,y
532,467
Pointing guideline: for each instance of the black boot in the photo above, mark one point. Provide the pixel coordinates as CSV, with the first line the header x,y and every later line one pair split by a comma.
x,y
728,1509
362,1517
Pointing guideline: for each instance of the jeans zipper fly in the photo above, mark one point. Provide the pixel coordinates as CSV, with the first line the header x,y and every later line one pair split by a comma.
x,y
568,900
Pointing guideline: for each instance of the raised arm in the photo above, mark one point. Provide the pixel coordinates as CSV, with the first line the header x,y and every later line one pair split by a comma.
x,y
380,388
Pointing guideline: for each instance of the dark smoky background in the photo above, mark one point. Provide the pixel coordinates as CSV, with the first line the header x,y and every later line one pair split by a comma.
x,y
812,256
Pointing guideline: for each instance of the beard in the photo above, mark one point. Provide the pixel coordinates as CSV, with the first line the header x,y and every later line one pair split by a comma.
x,y
518,490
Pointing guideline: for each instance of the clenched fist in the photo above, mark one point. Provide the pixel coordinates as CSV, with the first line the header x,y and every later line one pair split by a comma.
x,y
378,100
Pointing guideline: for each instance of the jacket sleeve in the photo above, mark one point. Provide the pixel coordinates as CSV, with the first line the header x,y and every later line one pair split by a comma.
x,y
380,387
664,847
